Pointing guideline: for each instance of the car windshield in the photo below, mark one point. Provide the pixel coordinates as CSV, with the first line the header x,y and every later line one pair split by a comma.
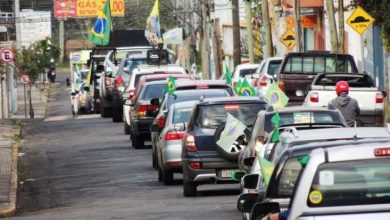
x,y
246,71
360,182
150,92
273,67
319,64
194,94
212,116
181,115
131,64
307,117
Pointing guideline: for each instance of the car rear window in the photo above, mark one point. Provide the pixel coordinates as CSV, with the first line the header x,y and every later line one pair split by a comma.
x,y
190,95
353,81
244,72
319,64
360,182
212,116
150,92
225,87
273,67
181,115
307,117
131,64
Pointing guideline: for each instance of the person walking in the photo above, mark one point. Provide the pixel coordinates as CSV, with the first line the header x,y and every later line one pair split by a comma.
x,y
348,106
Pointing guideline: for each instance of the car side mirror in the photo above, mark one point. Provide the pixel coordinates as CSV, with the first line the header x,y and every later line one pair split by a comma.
x,y
250,181
262,209
249,161
238,175
129,102
246,201
155,102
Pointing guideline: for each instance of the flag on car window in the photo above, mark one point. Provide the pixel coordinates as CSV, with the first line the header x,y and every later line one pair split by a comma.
x,y
170,87
247,89
237,86
276,97
234,128
228,75
100,32
267,168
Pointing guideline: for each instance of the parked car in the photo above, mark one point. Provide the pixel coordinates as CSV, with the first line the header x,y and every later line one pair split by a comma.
x,y
186,91
333,183
284,155
298,70
168,146
202,159
242,71
121,81
143,80
361,87
266,73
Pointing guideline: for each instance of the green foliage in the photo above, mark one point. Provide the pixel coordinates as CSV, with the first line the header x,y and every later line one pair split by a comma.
x,y
379,9
35,59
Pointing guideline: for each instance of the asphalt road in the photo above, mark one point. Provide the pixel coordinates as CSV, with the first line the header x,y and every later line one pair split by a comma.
x,y
85,168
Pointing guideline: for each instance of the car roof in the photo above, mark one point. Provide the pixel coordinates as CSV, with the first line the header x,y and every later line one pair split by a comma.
x,y
247,66
158,75
157,82
200,82
231,99
293,109
152,68
274,58
334,133
185,104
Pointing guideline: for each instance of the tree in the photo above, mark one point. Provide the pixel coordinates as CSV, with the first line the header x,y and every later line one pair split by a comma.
x,y
33,61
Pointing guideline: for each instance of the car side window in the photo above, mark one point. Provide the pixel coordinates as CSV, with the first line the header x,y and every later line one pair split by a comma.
x,y
288,177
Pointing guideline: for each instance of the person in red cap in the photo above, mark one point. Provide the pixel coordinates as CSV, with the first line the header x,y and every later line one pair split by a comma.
x,y
348,106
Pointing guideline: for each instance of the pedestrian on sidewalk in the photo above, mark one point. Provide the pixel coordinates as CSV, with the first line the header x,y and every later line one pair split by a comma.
x,y
348,106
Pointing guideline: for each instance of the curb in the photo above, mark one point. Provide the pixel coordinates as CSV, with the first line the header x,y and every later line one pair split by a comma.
x,y
14,183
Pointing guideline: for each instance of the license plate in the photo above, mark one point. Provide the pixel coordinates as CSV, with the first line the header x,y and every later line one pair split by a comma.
x,y
227,173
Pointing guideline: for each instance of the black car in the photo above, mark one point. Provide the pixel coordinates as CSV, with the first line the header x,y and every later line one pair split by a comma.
x,y
141,112
203,160
121,81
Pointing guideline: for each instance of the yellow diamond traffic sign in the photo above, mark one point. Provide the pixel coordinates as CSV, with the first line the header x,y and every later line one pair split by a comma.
x,y
360,20
288,39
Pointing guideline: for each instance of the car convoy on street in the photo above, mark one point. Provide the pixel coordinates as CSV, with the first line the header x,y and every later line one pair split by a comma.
x,y
301,159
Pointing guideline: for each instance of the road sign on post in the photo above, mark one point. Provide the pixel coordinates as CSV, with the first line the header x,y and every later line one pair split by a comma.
x,y
288,39
7,55
360,20
24,79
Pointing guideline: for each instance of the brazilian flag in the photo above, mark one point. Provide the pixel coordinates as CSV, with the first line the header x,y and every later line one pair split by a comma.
x,y
247,89
170,87
237,86
276,97
100,32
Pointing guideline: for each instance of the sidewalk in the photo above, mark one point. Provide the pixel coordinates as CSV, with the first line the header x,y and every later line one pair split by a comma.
x,y
9,132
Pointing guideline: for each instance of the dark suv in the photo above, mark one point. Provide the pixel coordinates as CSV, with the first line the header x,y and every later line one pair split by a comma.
x,y
203,160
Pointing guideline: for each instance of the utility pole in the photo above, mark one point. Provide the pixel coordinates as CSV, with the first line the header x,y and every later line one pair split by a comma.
x,y
249,29
341,26
332,26
218,50
61,40
17,24
297,19
236,34
268,34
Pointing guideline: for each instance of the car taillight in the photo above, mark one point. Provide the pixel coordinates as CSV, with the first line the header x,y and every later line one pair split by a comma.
x,y
195,165
161,122
141,109
174,135
379,98
380,152
189,143
118,81
314,97
107,81
262,81
282,86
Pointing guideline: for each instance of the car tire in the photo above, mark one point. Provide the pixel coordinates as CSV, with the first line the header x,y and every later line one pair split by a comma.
x,y
117,113
160,175
137,142
126,128
189,189
167,176
154,161
239,145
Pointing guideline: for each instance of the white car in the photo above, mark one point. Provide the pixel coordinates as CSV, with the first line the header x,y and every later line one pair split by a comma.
x,y
136,76
243,71
267,72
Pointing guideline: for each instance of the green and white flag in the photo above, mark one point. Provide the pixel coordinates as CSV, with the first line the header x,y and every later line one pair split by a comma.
x,y
267,168
228,75
170,87
233,129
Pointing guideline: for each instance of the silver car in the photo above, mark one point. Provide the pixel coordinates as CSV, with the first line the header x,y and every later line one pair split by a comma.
x,y
169,142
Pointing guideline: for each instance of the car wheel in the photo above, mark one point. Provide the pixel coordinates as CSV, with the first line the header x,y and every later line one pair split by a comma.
x,y
167,177
154,160
189,189
137,142
160,175
234,151
117,114
105,111
126,128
